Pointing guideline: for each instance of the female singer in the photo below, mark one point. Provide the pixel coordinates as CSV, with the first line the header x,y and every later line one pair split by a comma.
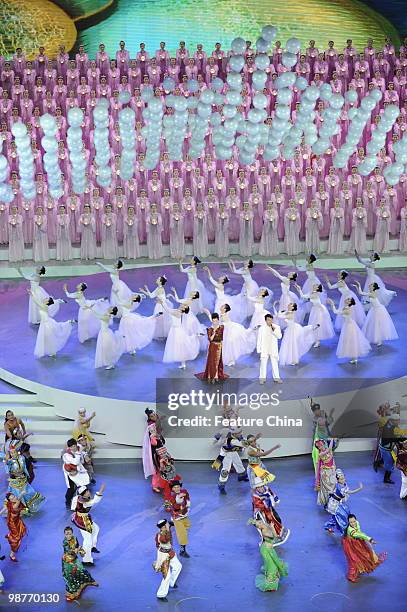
x,y
214,362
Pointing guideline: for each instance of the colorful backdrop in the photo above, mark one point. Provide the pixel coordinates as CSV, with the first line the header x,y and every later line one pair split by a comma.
x,y
89,22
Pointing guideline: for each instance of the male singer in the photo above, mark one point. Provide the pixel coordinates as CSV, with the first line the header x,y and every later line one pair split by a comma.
x,y
267,346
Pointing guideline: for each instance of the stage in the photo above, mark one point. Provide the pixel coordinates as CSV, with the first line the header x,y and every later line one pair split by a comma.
x,y
225,558
134,378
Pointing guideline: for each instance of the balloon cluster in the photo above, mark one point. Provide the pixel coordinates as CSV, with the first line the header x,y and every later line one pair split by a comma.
x,y
393,172
101,142
198,121
127,122
6,191
25,160
152,131
75,147
50,158
359,118
176,124
330,117
281,127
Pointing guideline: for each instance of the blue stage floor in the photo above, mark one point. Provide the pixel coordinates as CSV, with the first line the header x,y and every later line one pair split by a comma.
x,y
135,376
225,559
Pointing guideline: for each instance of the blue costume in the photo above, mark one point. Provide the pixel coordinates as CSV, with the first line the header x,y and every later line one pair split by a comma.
x,y
19,486
338,508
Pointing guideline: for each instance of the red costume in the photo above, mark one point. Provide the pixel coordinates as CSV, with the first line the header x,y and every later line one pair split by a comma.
x,y
359,554
214,362
16,527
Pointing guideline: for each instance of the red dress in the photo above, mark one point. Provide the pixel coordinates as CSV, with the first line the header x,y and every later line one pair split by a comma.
x,y
214,362
17,529
360,556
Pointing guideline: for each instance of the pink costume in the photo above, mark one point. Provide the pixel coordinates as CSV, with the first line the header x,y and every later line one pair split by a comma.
x,y
403,231
222,233
176,230
381,242
16,238
40,239
63,239
246,234
109,236
87,230
313,227
154,239
269,238
358,234
200,232
292,225
336,231
131,243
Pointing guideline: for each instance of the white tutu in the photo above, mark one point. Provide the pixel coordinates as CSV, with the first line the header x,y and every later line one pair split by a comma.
x,y
109,347
352,343
137,331
307,290
319,315
52,336
193,327
237,305
288,297
250,288
33,311
385,295
258,315
88,323
180,346
162,323
297,341
120,294
379,326
237,341
357,312
205,296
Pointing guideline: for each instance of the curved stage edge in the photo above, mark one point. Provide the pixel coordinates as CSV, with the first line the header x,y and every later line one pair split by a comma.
x,y
123,422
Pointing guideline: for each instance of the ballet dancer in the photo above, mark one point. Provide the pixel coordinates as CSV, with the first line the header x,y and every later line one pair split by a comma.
x,y
195,284
250,287
180,346
52,335
137,331
221,297
357,313
297,339
352,343
378,326
40,293
119,288
109,344
191,322
163,323
319,315
237,340
88,324
287,296
259,311
385,295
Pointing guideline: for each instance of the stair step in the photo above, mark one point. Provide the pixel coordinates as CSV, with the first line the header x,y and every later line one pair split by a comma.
x,y
43,426
104,451
14,398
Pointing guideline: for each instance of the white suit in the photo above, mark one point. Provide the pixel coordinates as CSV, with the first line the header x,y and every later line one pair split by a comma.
x,y
267,347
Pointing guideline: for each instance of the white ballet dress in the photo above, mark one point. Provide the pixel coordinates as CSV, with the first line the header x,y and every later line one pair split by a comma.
x,y
352,342
378,326
52,335
109,345
180,345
